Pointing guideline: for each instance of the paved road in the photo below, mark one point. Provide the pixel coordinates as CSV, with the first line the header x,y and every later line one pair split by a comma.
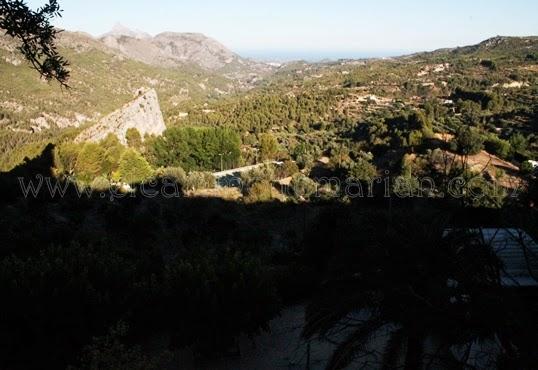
x,y
236,171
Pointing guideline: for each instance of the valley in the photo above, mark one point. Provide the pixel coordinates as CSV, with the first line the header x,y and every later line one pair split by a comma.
x,y
169,204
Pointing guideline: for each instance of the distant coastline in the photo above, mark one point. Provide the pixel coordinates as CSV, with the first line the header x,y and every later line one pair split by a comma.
x,y
317,56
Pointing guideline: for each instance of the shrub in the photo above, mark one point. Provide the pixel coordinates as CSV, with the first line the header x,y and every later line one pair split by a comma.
x,y
527,168
133,168
362,170
415,138
497,146
519,143
68,154
287,169
406,186
260,192
468,141
263,173
489,64
200,180
100,184
302,186
175,174
134,139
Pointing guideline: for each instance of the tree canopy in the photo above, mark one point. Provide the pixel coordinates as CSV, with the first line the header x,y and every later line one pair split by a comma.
x,y
197,148
36,36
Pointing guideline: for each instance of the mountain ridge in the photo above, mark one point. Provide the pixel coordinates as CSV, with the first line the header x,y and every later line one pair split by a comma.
x,y
175,49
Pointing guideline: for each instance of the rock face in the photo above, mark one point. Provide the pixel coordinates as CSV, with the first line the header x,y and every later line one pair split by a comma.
x,y
170,49
143,113
197,48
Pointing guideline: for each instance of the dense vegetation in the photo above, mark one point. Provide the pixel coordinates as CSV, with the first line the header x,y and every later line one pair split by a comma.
x,y
95,277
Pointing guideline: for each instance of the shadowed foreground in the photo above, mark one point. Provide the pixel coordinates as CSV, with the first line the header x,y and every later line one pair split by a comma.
x,y
145,283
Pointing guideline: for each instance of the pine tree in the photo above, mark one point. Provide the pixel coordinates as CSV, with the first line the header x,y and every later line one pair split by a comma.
x,y
133,168
89,163
269,147
134,139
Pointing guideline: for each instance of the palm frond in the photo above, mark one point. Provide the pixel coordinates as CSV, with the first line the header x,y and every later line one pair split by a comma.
x,y
393,350
347,350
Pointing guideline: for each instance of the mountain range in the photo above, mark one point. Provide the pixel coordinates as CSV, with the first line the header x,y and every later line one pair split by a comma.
x,y
171,49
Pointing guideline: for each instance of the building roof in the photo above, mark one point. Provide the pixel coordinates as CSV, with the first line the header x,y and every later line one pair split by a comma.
x,y
518,253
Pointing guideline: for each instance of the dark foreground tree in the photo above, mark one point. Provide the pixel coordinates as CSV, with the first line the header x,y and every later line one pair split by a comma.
x,y
407,298
36,36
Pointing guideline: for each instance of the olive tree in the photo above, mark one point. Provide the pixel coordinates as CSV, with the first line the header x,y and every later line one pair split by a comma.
x,y
36,36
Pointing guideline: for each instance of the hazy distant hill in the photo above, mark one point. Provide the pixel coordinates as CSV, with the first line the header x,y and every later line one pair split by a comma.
x,y
171,49
498,44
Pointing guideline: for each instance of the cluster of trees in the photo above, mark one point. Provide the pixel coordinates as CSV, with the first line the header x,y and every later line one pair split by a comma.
x,y
183,155
196,148
405,130
107,160
266,109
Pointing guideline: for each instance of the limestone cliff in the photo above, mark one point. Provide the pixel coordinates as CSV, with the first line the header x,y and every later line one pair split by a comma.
x,y
143,113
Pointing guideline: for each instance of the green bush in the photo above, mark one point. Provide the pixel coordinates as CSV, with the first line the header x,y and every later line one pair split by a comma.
x,y
259,192
263,173
134,139
89,162
176,174
302,186
100,184
68,155
527,168
287,169
497,146
489,64
133,168
268,147
362,170
468,141
200,180
519,144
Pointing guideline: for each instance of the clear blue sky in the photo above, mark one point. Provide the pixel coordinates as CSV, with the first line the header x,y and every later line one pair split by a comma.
x,y
325,28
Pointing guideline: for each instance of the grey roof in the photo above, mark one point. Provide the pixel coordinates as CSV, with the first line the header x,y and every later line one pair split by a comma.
x,y
517,251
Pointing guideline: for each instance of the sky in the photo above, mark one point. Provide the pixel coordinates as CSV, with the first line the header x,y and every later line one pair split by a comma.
x,y
314,29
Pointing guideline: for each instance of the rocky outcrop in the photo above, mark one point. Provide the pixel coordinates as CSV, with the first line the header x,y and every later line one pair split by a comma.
x,y
143,113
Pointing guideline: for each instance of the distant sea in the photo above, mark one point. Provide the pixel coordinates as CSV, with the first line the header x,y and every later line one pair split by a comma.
x,y
316,56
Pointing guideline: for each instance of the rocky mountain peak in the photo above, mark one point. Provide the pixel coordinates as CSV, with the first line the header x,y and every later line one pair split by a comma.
x,y
121,30
143,113
172,49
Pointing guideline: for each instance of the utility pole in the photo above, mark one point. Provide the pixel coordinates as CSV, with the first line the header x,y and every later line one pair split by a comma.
x,y
221,155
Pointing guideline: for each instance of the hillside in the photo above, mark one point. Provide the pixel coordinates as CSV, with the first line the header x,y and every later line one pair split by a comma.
x,y
498,44
33,112
362,105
